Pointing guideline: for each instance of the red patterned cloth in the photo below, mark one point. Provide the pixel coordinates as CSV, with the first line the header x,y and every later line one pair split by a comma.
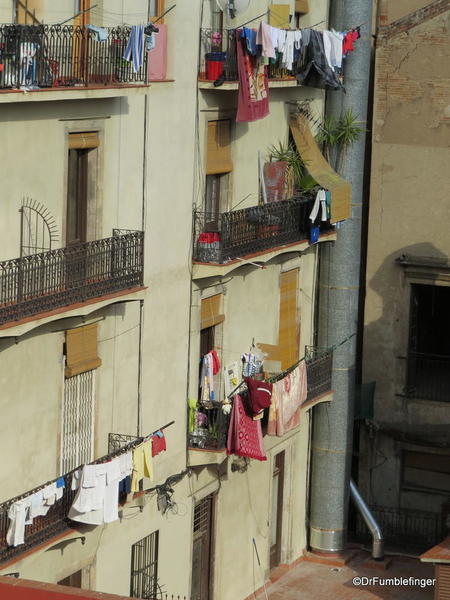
x,y
159,444
244,434
253,98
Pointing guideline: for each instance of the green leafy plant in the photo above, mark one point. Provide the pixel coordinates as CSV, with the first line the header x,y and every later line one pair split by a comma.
x,y
336,135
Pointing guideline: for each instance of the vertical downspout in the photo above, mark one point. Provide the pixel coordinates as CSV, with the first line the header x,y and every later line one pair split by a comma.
x,y
338,303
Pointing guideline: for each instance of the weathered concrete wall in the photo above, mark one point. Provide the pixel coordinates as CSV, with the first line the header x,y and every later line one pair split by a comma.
x,y
408,214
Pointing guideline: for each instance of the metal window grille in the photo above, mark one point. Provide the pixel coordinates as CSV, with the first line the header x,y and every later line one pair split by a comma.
x,y
144,568
78,421
202,515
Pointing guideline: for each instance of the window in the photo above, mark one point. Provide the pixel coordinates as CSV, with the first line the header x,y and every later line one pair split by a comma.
x,y
144,567
77,439
425,472
218,166
428,374
156,9
202,549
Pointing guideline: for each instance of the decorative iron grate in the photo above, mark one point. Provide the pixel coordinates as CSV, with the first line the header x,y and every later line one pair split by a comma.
x,y
254,229
319,364
42,282
50,56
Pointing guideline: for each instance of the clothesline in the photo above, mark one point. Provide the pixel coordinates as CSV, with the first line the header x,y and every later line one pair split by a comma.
x,y
102,459
283,374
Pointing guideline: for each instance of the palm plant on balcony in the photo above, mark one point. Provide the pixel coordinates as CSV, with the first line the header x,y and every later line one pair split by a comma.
x,y
336,136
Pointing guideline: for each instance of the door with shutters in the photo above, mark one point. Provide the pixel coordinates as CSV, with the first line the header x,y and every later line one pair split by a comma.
x,y
202,549
442,588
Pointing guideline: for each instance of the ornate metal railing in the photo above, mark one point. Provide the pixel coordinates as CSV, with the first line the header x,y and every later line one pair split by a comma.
x,y
428,376
48,56
56,520
221,45
319,364
221,238
42,282
407,528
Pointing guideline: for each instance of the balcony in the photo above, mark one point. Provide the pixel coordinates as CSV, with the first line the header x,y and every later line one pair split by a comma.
x,y
222,45
207,442
225,239
62,57
48,281
428,377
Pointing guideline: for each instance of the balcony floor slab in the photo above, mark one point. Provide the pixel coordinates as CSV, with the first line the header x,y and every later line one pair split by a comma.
x,y
203,270
71,93
18,328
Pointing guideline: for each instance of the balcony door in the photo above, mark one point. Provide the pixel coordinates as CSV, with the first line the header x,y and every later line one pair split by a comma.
x,y
81,192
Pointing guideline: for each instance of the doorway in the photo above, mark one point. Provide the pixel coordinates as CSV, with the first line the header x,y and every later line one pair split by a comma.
x,y
202,551
277,510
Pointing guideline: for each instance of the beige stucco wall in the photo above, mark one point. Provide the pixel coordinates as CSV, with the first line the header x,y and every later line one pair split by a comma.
x,y
408,215
169,186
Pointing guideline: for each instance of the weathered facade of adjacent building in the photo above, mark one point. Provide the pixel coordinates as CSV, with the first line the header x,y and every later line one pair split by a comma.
x,y
404,453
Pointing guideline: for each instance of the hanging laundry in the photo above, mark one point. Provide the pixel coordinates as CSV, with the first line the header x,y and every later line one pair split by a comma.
x,y
249,37
244,434
207,395
251,364
313,68
319,203
253,98
259,395
17,514
95,502
100,34
332,43
264,39
288,395
158,443
349,40
230,377
134,52
142,464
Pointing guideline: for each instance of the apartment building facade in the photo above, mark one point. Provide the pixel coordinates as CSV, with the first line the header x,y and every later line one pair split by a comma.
x,y
404,452
110,298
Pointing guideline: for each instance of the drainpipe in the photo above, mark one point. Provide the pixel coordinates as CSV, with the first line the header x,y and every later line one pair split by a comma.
x,y
338,304
375,530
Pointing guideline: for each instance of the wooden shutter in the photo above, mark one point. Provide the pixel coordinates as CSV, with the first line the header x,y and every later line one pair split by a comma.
x,y
279,15
211,311
83,140
81,350
27,12
302,6
442,589
218,158
289,332
321,170
287,350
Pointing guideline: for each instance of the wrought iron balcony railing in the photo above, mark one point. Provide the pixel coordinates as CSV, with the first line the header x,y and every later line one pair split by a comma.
x,y
234,234
56,520
212,433
428,376
43,282
220,46
319,364
49,56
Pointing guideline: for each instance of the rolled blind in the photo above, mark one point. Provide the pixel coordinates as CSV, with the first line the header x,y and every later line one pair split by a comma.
x,y
321,170
85,139
81,350
218,158
211,311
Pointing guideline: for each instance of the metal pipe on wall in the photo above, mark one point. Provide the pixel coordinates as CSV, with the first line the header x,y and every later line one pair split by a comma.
x,y
338,304
369,519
